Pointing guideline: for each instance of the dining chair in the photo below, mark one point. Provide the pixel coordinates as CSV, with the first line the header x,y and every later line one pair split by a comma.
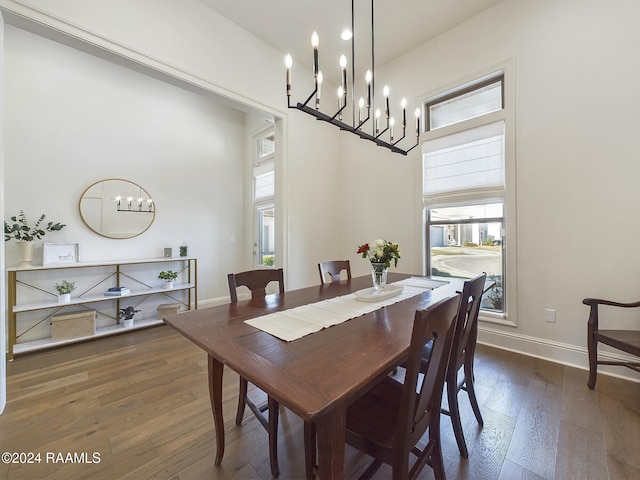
x,y
627,341
389,420
462,356
256,281
334,269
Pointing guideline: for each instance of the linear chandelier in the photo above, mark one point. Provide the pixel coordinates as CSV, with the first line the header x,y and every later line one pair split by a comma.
x,y
127,205
373,131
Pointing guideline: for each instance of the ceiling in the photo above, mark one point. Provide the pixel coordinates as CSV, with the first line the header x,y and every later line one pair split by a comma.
x,y
400,25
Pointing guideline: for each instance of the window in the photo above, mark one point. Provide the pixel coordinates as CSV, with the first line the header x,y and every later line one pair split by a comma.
x,y
464,186
264,201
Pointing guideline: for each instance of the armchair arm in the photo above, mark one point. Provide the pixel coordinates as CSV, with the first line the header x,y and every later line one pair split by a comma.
x,y
594,302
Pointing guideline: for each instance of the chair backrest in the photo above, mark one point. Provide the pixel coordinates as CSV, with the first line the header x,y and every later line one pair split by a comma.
x,y
464,342
421,410
333,269
256,281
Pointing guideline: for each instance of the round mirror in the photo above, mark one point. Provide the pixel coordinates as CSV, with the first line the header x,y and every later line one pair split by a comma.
x,y
116,208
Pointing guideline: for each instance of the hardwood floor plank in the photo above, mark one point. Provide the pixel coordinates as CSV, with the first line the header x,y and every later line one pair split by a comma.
x,y
141,401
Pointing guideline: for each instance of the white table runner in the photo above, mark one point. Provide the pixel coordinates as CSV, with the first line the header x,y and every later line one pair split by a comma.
x,y
300,321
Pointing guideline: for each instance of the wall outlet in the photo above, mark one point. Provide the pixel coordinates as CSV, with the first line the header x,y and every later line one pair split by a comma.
x,y
550,315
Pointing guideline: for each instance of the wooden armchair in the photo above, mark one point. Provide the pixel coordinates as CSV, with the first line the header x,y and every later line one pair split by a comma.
x,y
333,269
256,281
626,340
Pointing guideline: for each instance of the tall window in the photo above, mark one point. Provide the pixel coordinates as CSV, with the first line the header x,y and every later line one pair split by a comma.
x,y
264,201
464,186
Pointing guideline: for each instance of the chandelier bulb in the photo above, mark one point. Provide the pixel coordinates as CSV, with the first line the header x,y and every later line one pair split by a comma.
x,y
403,102
315,40
343,61
368,76
385,91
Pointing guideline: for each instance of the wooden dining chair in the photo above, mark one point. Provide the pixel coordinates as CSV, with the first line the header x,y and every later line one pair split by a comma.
x,y
627,341
256,281
462,356
389,420
334,269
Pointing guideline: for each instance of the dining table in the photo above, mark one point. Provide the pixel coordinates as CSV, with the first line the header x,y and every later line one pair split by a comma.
x,y
318,375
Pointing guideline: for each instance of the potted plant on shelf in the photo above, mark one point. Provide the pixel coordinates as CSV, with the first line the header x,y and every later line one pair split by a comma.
x,y
127,314
168,276
64,289
26,234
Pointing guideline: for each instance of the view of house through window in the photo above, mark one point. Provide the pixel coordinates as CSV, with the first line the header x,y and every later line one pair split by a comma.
x,y
463,189
264,201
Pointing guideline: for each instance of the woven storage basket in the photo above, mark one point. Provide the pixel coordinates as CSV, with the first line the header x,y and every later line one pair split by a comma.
x,y
167,309
73,325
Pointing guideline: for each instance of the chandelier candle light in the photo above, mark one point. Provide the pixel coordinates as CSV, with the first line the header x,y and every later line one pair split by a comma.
x,y
344,90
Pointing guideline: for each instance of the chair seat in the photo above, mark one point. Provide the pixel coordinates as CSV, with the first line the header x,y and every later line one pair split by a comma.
x,y
379,407
625,340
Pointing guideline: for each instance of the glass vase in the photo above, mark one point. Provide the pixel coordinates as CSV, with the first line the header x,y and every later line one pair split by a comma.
x,y
379,275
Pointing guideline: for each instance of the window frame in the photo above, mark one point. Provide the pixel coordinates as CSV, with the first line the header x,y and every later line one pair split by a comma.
x,y
503,72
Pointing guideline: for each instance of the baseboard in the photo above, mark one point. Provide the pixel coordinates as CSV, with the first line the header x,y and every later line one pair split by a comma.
x,y
557,352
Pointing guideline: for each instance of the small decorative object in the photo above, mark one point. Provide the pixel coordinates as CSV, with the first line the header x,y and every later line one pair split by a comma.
x,y
64,290
168,276
127,314
59,253
26,234
168,252
380,254
184,249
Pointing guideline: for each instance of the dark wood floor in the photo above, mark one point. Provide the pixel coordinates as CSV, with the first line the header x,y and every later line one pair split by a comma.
x,y
140,402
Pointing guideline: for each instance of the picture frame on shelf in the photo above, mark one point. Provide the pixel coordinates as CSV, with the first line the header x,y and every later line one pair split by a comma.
x,y
59,253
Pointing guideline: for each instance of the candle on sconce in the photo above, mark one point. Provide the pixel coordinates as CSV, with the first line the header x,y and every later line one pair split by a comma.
x,y
360,107
288,61
118,202
150,204
385,92
368,78
417,122
140,203
341,101
403,104
392,122
318,89
315,41
377,122
129,200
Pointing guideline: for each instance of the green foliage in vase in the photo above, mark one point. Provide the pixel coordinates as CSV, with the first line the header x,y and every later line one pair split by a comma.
x,y
65,287
168,275
21,230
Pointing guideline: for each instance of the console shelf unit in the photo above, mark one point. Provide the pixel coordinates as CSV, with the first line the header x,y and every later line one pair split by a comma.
x,y
112,273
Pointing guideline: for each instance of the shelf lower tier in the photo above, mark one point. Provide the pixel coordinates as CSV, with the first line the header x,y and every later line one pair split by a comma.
x,y
45,343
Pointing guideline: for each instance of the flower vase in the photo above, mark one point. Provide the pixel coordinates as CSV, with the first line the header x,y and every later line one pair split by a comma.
x,y
25,251
168,285
128,322
379,275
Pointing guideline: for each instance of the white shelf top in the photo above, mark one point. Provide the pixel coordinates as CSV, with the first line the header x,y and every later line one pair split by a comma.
x,y
105,263
26,307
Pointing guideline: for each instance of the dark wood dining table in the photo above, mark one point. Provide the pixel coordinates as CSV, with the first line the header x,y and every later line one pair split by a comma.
x,y
317,376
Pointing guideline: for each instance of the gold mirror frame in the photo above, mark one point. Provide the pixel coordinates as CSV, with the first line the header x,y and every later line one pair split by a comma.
x,y
106,209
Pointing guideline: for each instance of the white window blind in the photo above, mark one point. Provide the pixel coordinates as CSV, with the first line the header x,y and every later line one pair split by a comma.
x,y
464,163
263,181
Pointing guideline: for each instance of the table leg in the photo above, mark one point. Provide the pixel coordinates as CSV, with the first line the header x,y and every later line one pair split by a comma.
x,y
215,394
330,431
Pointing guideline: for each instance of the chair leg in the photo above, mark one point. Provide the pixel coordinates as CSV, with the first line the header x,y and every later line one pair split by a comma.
x,y
592,345
309,449
242,395
437,463
274,411
454,413
468,381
